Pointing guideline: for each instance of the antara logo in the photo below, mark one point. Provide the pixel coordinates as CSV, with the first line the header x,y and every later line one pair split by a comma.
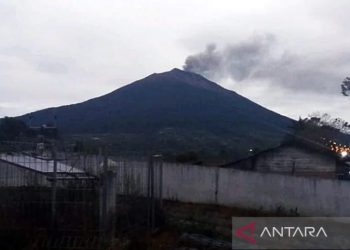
x,y
239,232
246,232
292,232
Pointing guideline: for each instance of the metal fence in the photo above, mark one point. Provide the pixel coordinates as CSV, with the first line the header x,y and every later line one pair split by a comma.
x,y
138,185
54,198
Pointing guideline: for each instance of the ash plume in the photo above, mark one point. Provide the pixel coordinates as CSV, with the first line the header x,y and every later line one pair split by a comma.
x,y
238,61
262,58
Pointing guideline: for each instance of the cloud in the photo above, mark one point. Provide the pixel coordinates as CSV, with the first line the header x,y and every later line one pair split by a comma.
x,y
59,52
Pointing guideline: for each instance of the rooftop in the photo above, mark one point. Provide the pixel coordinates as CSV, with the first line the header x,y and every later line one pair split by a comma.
x,y
39,165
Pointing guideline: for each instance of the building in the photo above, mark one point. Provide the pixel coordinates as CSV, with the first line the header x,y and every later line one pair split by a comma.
x,y
23,170
294,159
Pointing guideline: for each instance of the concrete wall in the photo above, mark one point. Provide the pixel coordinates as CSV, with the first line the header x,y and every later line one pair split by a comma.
x,y
131,178
246,189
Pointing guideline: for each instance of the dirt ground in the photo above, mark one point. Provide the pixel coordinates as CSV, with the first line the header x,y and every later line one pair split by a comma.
x,y
193,227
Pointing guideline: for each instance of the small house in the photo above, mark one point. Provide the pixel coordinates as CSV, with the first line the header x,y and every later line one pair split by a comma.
x,y
295,159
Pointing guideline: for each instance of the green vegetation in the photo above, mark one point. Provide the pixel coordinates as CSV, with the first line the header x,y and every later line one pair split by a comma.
x,y
12,129
320,130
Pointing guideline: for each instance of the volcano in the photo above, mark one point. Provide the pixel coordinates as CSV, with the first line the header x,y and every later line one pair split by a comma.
x,y
171,113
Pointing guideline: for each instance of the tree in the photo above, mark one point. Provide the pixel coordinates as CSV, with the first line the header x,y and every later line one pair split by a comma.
x,y
321,130
325,120
11,128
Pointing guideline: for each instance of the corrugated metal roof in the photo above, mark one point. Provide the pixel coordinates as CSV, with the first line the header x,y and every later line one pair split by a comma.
x,y
39,165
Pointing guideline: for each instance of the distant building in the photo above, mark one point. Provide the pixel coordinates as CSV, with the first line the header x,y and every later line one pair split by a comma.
x,y
22,170
46,131
299,160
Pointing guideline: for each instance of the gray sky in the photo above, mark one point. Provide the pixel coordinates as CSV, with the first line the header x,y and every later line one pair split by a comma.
x,y
289,56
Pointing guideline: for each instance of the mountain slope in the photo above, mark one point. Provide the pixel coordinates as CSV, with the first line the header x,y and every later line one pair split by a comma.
x,y
172,111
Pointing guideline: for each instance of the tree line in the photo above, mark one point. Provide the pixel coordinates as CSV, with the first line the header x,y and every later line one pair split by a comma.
x,y
12,129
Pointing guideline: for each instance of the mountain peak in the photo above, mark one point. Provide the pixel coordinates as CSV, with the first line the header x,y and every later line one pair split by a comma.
x,y
191,78
177,70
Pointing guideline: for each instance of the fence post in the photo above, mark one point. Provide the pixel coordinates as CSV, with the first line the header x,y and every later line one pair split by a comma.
x,y
54,187
107,197
150,194
160,178
103,200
